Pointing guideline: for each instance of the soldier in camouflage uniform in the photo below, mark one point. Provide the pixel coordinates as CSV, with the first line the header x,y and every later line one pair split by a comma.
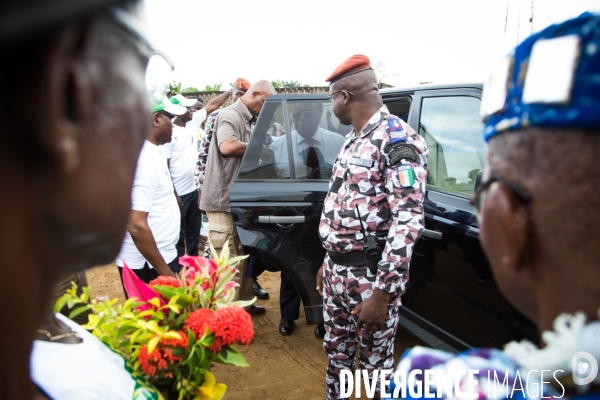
x,y
379,179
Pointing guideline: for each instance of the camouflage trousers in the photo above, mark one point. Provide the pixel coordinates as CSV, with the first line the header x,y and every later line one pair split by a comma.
x,y
344,288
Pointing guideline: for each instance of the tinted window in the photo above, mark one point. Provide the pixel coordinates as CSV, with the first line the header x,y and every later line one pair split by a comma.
x,y
453,131
399,108
316,138
259,161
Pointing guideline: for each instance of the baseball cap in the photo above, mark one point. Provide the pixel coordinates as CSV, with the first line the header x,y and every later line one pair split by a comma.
x,y
552,79
181,100
167,106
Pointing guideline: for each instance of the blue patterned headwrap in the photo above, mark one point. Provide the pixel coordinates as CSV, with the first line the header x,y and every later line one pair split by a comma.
x,y
552,79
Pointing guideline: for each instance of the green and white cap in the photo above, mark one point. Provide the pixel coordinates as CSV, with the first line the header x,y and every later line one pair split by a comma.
x,y
181,100
168,107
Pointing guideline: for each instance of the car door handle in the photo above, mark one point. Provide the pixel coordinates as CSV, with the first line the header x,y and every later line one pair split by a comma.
x,y
286,219
428,233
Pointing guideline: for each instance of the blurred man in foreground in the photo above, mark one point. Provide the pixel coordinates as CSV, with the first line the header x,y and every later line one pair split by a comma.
x,y
538,207
67,173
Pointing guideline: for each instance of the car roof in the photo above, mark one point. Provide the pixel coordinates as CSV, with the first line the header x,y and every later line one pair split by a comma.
x,y
383,92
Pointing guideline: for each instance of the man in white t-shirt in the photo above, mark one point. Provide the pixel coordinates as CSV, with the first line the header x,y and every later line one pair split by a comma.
x,y
149,245
182,154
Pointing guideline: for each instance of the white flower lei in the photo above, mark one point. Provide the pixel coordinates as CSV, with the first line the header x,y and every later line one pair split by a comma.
x,y
571,334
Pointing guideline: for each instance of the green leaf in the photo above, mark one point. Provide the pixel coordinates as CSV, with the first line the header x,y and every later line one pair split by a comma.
x,y
230,356
234,260
191,338
78,311
60,303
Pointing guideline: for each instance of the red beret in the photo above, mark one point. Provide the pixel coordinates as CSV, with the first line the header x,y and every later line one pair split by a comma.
x,y
356,63
243,84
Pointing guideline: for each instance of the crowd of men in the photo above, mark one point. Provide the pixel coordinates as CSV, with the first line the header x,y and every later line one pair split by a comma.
x,y
68,175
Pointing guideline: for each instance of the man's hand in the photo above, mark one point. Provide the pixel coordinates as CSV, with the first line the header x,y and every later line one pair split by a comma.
x,y
179,201
371,313
320,281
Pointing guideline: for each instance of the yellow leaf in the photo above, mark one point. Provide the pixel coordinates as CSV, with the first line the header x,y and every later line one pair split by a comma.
x,y
172,335
211,390
152,344
155,302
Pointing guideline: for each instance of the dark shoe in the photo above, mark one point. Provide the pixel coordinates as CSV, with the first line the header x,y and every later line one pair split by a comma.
x,y
286,327
256,310
258,291
320,331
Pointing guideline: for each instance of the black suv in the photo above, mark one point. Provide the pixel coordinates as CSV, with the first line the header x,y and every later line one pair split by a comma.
x,y
451,302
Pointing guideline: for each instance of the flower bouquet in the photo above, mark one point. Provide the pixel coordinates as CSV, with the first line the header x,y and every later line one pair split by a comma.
x,y
172,331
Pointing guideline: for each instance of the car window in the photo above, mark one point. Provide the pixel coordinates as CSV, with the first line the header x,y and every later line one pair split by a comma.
x,y
316,139
399,108
259,161
453,130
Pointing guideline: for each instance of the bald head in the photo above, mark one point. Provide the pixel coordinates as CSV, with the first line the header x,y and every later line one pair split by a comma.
x,y
264,87
256,95
357,98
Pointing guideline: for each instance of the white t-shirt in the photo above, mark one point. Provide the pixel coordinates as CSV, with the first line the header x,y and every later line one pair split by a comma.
x,y
87,370
183,153
153,193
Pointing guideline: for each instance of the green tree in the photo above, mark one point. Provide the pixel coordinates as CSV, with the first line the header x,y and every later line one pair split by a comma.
x,y
214,88
174,88
190,89
286,84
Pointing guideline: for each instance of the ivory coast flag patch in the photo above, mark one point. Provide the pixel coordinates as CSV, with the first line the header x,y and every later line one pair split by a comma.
x,y
406,176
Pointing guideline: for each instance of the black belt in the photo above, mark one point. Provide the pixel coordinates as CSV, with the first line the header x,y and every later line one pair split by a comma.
x,y
348,259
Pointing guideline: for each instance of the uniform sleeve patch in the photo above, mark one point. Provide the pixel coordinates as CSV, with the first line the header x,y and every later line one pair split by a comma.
x,y
406,176
395,124
363,162
403,151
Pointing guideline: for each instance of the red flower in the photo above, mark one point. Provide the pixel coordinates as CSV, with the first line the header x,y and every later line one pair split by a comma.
x,y
199,320
165,281
231,325
159,361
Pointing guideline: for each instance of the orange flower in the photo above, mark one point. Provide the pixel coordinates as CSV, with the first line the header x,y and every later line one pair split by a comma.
x,y
199,320
231,325
158,362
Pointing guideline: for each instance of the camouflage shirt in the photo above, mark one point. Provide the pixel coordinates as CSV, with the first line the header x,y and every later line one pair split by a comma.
x,y
381,170
203,151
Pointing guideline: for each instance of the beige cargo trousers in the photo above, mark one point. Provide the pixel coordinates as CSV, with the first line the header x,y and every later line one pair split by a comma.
x,y
221,230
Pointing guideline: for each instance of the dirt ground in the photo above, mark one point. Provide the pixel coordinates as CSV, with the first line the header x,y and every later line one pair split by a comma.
x,y
290,367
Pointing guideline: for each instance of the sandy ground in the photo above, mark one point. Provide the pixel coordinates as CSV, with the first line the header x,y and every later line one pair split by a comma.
x,y
281,367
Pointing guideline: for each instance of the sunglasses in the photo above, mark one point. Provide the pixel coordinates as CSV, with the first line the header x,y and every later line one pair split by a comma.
x,y
341,90
306,114
495,177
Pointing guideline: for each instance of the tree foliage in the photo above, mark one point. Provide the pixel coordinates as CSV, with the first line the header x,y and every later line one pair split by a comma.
x,y
174,88
214,88
382,72
286,84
